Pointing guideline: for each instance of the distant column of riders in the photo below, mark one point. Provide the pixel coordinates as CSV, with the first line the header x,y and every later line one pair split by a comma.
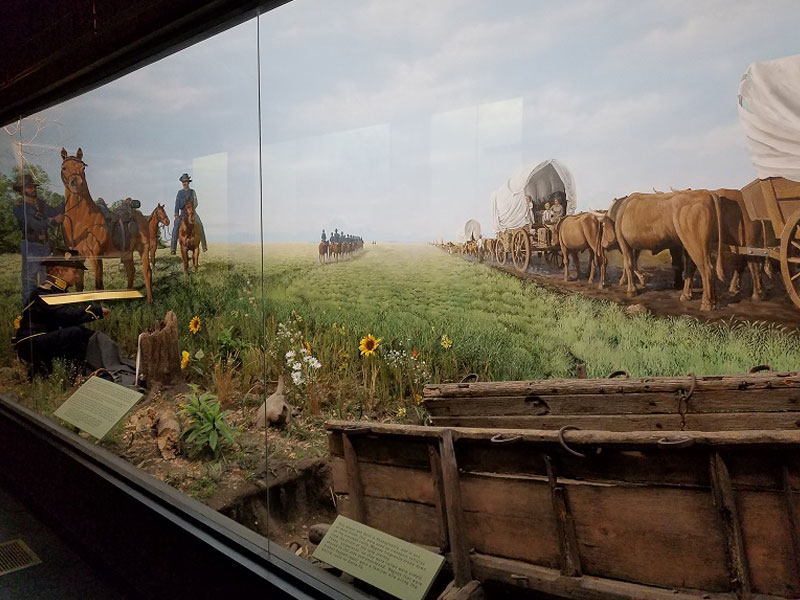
x,y
339,245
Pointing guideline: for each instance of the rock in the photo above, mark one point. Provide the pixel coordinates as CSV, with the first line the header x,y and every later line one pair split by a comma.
x,y
317,532
275,411
636,309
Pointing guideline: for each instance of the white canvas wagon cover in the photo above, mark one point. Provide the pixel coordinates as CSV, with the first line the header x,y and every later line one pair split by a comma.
x,y
769,111
509,208
472,230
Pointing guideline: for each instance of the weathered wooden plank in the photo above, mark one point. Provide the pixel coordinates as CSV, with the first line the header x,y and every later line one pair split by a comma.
x,y
649,535
767,536
439,497
409,521
459,546
596,422
387,481
612,386
533,580
794,526
725,501
354,480
568,544
701,401
404,434
632,422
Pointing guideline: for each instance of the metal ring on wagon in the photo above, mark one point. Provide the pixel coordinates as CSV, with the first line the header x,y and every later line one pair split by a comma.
x,y
504,438
356,429
683,442
759,368
476,377
618,373
564,444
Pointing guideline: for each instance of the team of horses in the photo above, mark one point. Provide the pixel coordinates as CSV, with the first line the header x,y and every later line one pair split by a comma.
x,y
694,225
334,251
86,230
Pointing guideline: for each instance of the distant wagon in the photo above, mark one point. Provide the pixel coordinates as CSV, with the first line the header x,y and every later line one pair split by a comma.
x,y
769,111
519,223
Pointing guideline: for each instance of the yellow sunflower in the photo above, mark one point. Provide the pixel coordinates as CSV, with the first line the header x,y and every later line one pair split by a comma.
x,y
401,412
447,343
17,321
369,344
184,359
195,324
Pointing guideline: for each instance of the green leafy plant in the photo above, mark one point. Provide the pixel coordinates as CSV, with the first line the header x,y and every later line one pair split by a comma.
x,y
207,428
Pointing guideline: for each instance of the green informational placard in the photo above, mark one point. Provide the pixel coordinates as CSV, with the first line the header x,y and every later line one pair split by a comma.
x,y
97,406
390,564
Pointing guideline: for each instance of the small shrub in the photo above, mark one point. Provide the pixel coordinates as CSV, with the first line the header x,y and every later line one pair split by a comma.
x,y
206,428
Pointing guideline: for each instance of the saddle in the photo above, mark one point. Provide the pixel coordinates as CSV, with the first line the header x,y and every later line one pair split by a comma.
x,y
121,222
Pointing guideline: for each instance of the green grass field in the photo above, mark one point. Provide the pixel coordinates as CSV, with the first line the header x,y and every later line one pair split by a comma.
x,y
410,296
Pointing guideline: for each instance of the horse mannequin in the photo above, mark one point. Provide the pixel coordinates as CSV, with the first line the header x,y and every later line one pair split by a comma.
x,y
85,228
188,240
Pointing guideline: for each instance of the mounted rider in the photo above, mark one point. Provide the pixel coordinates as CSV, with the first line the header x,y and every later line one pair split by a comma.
x,y
187,194
34,218
323,238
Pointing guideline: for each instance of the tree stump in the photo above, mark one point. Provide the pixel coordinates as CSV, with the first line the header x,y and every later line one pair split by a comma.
x,y
161,355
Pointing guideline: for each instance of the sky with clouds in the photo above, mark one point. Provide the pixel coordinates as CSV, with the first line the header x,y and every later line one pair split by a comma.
x,y
396,120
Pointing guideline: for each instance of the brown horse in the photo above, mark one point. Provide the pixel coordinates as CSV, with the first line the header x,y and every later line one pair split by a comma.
x,y
146,242
85,227
188,240
323,252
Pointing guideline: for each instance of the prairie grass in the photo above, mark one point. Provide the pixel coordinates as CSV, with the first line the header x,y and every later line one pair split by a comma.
x,y
413,297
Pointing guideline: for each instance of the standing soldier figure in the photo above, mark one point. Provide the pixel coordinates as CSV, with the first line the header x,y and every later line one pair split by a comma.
x,y
34,218
184,194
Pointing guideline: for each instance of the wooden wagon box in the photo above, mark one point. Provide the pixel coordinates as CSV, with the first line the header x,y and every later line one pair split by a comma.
x,y
614,514
711,403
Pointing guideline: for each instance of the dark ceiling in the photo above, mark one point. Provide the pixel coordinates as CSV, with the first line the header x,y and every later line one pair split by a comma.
x,y
51,50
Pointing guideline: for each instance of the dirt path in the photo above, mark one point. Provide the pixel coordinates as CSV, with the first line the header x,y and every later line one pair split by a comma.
x,y
661,299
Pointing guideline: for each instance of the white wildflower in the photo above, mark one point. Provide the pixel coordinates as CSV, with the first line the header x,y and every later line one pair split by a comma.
x,y
297,378
297,366
290,355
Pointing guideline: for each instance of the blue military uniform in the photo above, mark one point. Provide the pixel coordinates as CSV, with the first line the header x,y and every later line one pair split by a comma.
x,y
34,218
180,210
47,332
322,237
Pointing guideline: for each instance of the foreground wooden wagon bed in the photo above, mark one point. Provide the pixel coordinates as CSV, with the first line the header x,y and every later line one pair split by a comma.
x,y
763,400
585,514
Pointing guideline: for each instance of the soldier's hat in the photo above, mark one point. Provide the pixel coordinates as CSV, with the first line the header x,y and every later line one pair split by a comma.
x,y
23,181
185,177
65,257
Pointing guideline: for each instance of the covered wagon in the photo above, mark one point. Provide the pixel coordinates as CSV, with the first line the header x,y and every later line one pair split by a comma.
x,y
769,111
521,215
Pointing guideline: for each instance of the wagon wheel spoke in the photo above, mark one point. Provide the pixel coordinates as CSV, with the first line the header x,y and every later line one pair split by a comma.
x,y
795,244
796,275
794,260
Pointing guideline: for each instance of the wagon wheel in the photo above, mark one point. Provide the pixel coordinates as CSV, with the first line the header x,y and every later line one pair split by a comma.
x,y
500,252
790,257
554,259
521,250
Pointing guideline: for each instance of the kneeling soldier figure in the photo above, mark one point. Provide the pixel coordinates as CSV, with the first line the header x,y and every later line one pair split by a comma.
x,y
49,331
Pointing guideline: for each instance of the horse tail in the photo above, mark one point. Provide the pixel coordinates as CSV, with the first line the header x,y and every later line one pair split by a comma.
x,y
718,210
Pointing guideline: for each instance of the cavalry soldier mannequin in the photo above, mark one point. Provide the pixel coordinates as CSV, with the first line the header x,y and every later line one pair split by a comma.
x,y
47,332
184,194
34,218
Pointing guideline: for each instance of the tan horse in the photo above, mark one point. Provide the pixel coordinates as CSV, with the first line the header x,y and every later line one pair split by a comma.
x,y
85,227
146,242
323,252
188,239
